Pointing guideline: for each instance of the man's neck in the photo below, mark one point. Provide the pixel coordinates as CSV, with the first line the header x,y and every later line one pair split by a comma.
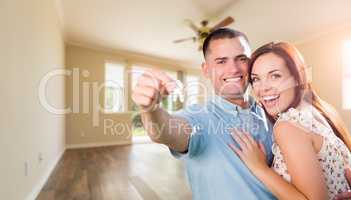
x,y
238,101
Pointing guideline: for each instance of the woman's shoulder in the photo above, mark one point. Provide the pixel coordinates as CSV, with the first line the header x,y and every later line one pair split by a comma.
x,y
307,117
301,114
295,121
290,135
286,127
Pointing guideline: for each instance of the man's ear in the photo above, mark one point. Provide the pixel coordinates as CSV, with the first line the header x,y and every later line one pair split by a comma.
x,y
205,70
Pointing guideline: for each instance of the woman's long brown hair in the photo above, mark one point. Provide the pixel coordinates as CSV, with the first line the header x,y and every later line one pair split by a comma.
x,y
303,90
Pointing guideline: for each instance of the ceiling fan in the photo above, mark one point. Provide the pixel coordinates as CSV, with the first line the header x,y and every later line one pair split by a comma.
x,y
203,31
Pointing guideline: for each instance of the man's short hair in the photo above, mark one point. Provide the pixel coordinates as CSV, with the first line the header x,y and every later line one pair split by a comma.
x,y
222,33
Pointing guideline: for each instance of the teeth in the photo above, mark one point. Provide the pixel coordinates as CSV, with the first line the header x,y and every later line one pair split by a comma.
x,y
268,98
236,79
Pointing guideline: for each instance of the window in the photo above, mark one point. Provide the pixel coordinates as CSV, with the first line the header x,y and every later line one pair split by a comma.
x,y
137,125
170,103
114,88
346,82
192,89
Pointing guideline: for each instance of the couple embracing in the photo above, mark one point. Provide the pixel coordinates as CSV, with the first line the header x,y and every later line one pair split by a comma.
x,y
283,142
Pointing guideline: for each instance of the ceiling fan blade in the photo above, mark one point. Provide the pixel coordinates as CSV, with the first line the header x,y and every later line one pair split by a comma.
x,y
185,39
224,22
192,25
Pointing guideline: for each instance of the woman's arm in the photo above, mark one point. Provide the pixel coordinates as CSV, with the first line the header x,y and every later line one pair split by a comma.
x,y
301,159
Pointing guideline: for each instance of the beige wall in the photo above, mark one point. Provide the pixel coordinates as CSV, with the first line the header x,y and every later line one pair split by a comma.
x,y
31,45
324,55
81,127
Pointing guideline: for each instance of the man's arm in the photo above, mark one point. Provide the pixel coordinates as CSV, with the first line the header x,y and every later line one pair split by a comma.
x,y
161,127
167,129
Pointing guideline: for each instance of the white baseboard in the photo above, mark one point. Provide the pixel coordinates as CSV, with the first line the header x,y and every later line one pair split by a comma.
x,y
37,188
101,144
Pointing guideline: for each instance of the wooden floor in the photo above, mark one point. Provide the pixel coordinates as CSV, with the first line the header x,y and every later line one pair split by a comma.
x,y
140,171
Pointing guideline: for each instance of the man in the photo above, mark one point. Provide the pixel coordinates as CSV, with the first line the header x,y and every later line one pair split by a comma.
x,y
200,134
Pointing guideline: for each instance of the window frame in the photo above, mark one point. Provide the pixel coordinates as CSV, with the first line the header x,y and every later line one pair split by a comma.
x,y
125,87
198,83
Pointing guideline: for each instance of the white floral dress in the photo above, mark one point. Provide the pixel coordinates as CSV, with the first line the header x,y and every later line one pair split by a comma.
x,y
333,156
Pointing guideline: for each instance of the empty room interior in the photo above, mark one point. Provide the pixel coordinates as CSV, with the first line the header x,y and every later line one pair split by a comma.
x,y
69,126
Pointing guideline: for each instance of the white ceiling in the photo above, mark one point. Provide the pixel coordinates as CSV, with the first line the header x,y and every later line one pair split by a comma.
x,y
149,27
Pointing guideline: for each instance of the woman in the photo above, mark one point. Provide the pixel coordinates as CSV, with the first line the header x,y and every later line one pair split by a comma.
x,y
311,144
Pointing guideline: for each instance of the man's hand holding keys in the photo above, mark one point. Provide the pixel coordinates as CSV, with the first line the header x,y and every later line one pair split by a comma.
x,y
151,87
